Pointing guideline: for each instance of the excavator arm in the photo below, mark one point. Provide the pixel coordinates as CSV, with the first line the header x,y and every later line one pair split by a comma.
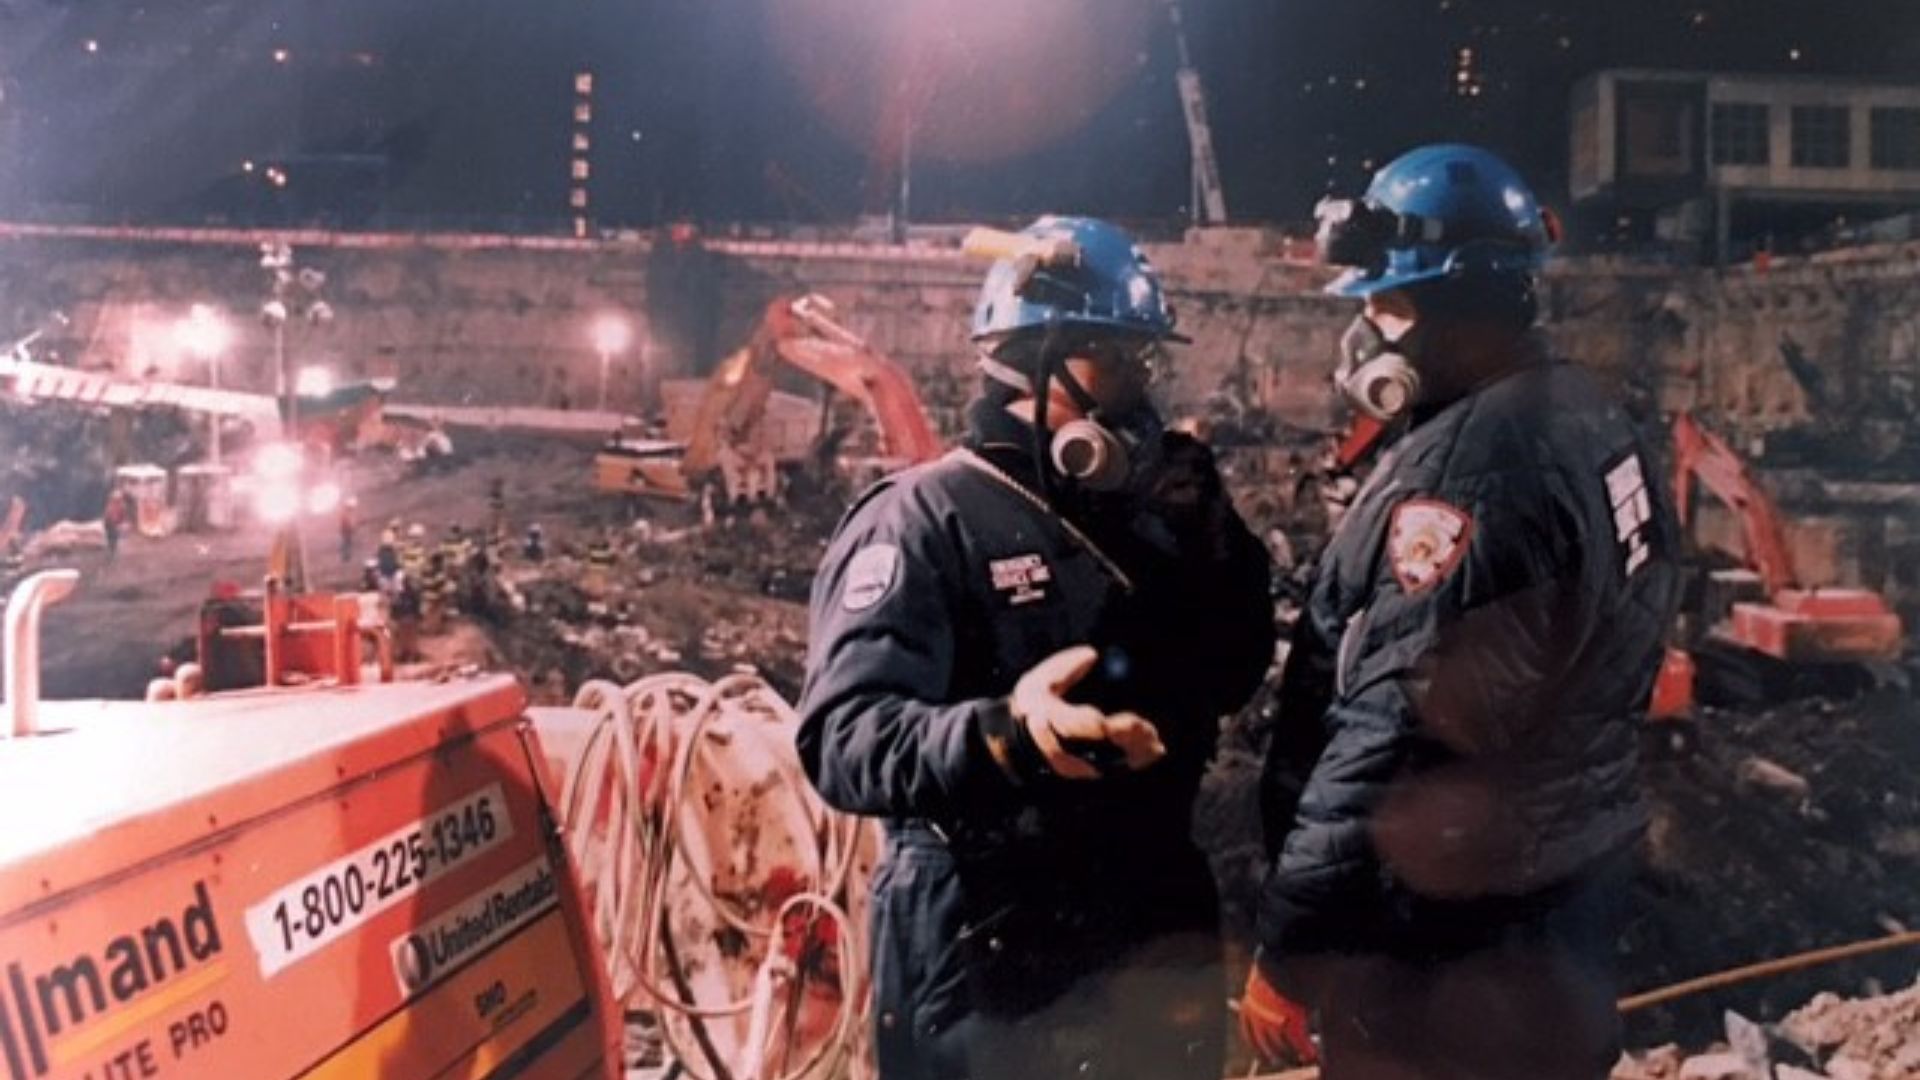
x,y
845,361
1795,624
801,334
1699,453
734,405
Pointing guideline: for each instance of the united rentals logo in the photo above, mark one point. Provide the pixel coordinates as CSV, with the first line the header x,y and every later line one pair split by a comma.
x,y
426,955
37,1007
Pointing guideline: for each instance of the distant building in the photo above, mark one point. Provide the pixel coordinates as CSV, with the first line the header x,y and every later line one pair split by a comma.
x,y
1732,162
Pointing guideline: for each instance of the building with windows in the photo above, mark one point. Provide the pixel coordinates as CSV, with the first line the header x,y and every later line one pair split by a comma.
x,y
1739,162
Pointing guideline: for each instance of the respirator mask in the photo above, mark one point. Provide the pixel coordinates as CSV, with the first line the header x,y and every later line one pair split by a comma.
x,y
1105,450
1107,454
1377,373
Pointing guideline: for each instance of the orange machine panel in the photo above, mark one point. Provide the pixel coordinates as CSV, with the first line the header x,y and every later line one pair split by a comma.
x,y
359,882
1829,625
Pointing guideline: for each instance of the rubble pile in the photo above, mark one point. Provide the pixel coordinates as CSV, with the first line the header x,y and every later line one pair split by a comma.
x,y
709,600
1829,1038
1880,1035
1776,832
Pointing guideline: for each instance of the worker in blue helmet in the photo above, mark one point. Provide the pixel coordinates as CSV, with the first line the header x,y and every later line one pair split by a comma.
x,y
1450,796
1018,658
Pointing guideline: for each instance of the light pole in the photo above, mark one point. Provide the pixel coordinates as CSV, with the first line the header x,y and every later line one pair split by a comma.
x,y
611,334
206,335
293,292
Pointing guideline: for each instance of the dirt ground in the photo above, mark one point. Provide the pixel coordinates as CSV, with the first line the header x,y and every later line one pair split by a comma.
x,y
1818,846
149,594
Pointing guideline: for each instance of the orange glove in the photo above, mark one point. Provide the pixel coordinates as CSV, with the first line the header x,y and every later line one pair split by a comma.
x,y
1275,1026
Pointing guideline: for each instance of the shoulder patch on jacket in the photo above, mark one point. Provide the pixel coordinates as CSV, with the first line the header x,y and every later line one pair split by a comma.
x,y
1426,540
870,576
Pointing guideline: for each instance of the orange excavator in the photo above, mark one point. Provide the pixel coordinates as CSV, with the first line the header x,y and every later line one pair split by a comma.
x,y
730,439
1783,627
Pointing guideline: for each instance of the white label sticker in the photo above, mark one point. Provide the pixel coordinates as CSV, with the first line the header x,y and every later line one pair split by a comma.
x,y
302,917
472,926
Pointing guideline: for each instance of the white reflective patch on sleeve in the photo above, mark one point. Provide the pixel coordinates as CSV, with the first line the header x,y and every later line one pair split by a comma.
x,y
870,576
1632,511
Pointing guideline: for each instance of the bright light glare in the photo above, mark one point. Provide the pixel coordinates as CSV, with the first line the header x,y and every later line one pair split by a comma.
x,y
324,498
278,462
974,80
314,382
277,504
203,332
611,334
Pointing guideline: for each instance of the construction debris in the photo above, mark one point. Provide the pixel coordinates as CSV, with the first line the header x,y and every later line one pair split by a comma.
x,y
1721,1066
1662,1063
1772,776
1775,832
1880,1035
1830,1038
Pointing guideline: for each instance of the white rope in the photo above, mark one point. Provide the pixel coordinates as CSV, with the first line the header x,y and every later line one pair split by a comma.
x,y
634,823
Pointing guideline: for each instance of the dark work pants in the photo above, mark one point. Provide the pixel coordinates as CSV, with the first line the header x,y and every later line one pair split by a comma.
x,y
1505,989
1018,991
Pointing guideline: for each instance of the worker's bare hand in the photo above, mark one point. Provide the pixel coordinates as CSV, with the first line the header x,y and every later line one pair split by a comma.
x,y
1054,723
1137,738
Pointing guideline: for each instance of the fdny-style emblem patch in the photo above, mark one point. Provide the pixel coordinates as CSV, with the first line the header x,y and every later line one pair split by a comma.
x,y
870,576
1023,578
1425,541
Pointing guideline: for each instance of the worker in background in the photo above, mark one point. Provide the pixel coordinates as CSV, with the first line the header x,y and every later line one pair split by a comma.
x,y
114,518
349,510
601,559
1451,796
476,582
1019,657
496,508
454,547
386,557
413,552
436,590
534,549
404,606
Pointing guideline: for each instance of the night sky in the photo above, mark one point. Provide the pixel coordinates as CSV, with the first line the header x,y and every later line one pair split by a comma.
x,y
445,113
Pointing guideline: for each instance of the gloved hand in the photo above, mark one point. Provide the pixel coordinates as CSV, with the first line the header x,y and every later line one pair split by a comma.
x,y
1054,726
1274,1025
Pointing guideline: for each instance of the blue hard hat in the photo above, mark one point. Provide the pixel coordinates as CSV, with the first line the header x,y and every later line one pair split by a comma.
x,y
1445,212
1085,275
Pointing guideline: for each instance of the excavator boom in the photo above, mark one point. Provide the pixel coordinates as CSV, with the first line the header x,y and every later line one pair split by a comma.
x,y
1796,624
1700,453
732,414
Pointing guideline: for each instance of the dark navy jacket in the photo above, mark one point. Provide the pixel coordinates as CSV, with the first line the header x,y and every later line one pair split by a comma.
x,y
1030,926
1460,712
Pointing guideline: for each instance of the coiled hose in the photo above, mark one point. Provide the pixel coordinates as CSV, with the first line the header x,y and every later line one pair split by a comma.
x,y
707,855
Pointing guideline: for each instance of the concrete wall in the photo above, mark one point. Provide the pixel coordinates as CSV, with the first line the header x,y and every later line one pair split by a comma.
x,y
493,321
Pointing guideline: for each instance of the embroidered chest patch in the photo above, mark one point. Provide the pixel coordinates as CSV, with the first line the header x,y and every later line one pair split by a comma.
x,y
1023,578
1426,540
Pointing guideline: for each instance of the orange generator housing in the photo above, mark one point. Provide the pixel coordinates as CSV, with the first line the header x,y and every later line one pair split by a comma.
x,y
347,882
